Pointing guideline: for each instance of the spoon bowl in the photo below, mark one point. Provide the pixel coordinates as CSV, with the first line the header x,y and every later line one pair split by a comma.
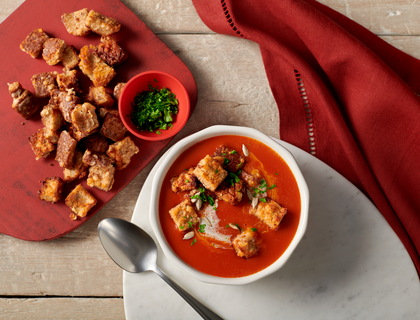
x,y
133,250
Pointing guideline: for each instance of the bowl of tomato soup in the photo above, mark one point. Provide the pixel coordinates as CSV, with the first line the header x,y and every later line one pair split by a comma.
x,y
229,205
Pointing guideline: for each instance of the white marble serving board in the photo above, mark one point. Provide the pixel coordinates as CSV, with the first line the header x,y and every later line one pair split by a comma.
x,y
349,265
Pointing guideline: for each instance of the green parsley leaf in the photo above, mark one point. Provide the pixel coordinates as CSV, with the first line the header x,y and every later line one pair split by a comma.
x,y
194,241
190,225
239,228
272,187
227,226
202,228
225,161
211,200
233,152
217,170
181,227
254,229
263,200
277,174
186,181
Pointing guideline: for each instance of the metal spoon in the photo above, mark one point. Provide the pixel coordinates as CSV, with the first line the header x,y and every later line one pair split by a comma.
x,y
134,250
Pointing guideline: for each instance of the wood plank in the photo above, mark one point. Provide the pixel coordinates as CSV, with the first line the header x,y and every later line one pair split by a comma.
x,y
62,308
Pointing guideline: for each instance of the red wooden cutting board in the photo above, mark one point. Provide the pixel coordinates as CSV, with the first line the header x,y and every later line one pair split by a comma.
x,y
22,214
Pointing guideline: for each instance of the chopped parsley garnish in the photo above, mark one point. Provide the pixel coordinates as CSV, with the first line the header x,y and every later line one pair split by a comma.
x,y
239,228
225,161
194,241
263,187
202,228
224,154
254,229
227,226
186,181
233,152
153,110
190,225
263,200
277,174
211,200
217,170
232,179
181,227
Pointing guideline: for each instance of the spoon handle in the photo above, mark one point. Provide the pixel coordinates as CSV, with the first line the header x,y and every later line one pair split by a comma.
x,y
203,311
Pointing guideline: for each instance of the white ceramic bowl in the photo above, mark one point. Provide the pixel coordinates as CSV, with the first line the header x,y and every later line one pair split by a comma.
x,y
210,132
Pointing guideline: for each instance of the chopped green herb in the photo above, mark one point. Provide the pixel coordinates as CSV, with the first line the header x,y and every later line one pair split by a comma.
x,y
190,225
181,227
237,167
254,229
224,154
201,189
155,80
201,228
194,241
186,181
272,187
233,152
211,200
213,245
226,161
263,200
153,110
277,174
217,170
239,228
227,226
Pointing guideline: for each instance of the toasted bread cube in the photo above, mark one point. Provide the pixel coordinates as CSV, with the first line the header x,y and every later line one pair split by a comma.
x,y
80,201
92,158
70,58
41,145
44,83
246,244
84,118
51,189
111,52
210,172
101,24
53,50
101,177
75,22
112,127
94,67
184,215
252,180
96,143
234,161
78,171
66,102
34,43
99,97
186,181
52,135
104,111
117,90
66,150
269,212
68,80
24,102
52,118
230,194
76,134
122,151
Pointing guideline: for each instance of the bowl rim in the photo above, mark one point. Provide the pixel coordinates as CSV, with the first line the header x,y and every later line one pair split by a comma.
x,y
174,130
210,132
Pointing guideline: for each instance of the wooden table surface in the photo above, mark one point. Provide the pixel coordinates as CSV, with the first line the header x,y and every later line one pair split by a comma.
x,y
72,277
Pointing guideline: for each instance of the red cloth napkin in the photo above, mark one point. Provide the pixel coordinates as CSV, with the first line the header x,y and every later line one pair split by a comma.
x,y
343,94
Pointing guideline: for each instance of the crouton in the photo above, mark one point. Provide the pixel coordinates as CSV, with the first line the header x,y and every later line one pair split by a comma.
x,y
99,97
184,215
52,135
70,58
52,118
251,180
51,190
80,201
75,22
68,80
66,150
44,83
78,171
210,172
230,194
66,102
96,143
84,118
53,50
92,158
246,244
112,127
233,161
24,102
40,144
269,212
117,90
34,43
186,181
94,67
111,52
101,177
101,24
122,151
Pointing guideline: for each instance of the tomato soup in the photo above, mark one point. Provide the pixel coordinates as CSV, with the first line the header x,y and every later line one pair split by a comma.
x,y
210,252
